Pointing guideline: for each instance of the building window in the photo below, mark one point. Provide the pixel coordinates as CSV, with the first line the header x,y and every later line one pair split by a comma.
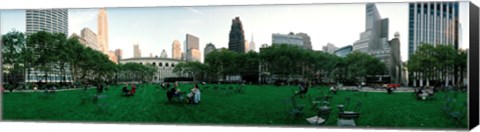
x,y
173,65
154,64
166,64
160,64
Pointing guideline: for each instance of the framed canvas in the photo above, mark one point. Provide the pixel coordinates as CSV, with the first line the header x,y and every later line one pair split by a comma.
x,y
358,65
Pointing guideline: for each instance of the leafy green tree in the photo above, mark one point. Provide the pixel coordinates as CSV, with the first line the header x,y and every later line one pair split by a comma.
x,y
13,58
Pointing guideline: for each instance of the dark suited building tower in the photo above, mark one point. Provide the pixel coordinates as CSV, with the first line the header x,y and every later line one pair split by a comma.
x,y
236,41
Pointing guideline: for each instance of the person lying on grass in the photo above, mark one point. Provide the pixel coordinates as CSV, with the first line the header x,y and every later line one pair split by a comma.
x,y
194,95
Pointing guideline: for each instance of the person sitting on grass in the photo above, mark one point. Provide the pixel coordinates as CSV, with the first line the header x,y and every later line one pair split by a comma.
x,y
133,90
303,90
194,95
125,91
389,90
173,93
333,89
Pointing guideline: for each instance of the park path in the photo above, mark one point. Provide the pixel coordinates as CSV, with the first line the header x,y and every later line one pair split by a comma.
x,y
369,89
31,90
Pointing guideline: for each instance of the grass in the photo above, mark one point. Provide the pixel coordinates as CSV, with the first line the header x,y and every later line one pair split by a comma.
x,y
259,105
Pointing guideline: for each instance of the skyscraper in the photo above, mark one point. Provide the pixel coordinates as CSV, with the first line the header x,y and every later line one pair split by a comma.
x,y
252,45
329,48
136,51
119,54
236,40
247,46
375,36
396,67
307,43
176,50
289,39
194,55
163,54
432,23
89,39
192,45
50,20
208,49
103,30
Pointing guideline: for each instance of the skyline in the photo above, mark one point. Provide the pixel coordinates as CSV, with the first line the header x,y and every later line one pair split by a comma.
x,y
128,26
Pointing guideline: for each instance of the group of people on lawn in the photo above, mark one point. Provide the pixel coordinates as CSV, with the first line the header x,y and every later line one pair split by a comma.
x,y
192,97
128,93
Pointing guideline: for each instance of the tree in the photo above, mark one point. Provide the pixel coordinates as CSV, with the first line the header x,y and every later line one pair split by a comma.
x,y
13,57
361,64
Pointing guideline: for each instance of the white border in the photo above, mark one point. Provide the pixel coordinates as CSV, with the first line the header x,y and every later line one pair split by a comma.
x,y
73,127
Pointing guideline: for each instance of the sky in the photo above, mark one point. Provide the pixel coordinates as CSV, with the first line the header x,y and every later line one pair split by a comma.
x,y
155,28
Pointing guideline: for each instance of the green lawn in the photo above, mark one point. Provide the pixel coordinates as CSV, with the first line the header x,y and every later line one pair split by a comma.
x,y
259,105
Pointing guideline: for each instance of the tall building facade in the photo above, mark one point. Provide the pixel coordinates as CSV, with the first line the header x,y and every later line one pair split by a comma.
x,y
396,67
176,50
329,48
50,20
236,41
289,39
119,54
164,66
307,43
252,45
344,51
53,21
247,46
374,41
89,39
432,23
375,36
194,55
102,27
192,52
208,49
136,51
163,54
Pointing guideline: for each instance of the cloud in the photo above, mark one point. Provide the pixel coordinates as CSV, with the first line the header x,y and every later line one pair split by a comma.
x,y
193,10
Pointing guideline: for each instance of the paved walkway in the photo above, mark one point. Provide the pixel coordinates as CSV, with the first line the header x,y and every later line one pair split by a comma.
x,y
58,90
370,89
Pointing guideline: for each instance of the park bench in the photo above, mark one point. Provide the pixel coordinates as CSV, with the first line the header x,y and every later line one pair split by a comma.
x,y
292,108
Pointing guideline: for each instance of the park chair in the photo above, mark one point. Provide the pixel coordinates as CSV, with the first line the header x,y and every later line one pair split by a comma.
x,y
355,110
460,114
230,90
45,95
215,88
222,90
321,117
345,104
102,107
447,106
180,98
292,108
347,119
